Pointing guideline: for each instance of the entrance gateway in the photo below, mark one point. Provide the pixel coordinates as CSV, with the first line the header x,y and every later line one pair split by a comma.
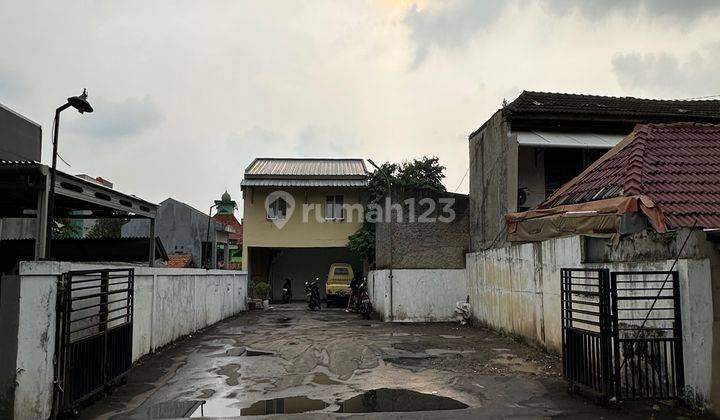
x,y
621,333
93,342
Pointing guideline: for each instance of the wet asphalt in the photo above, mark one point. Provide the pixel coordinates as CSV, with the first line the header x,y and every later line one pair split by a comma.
x,y
291,362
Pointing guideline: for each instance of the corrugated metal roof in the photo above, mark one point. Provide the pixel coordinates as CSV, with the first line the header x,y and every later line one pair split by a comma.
x,y
304,183
288,167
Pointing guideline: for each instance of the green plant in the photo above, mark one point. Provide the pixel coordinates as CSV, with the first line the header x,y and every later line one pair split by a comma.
x,y
664,238
418,173
262,290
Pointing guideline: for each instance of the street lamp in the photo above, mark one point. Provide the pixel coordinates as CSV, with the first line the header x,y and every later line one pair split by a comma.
x,y
390,226
82,105
208,263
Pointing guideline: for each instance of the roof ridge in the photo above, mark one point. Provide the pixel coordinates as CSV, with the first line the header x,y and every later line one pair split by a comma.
x,y
587,95
635,167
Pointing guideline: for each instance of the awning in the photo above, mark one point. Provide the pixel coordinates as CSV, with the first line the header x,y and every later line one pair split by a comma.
x,y
569,140
594,218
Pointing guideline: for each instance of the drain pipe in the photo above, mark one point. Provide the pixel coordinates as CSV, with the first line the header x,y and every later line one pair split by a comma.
x,y
390,241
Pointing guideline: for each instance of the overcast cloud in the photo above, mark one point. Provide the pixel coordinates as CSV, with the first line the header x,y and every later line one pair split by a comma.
x,y
187,93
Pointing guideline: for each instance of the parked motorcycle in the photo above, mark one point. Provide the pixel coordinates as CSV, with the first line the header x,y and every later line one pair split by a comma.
x,y
312,292
364,300
287,291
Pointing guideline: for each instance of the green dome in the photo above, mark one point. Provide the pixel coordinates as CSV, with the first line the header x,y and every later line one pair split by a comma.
x,y
226,197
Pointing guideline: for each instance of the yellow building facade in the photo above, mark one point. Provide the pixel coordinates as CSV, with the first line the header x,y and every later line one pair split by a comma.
x,y
298,215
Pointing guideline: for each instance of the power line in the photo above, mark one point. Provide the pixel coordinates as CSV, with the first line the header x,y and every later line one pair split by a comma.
x,y
463,179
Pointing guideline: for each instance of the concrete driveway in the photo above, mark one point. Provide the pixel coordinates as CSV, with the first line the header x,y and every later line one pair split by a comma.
x,y
304,364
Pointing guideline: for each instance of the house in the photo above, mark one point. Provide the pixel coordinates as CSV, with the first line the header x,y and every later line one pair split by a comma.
x,y
298,215
648,212
664,176
184,230
226,207
539,141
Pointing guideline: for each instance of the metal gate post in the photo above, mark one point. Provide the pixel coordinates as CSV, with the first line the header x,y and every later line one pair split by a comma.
x,y
615,337
604,300
677,333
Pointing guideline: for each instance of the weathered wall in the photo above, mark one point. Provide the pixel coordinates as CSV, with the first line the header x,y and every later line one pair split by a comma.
x,y
180,227
493,180
20,137
259,231
516,289
424,295
169,303
9,310
433,241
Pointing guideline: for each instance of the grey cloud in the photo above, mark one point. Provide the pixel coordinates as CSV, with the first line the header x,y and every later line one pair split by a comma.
x,y
450,25
676,10
310,141
12,86
112,120
665,74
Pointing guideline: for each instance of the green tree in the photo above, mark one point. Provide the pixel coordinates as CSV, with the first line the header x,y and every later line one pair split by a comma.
x,y
107,228
64,228
419,173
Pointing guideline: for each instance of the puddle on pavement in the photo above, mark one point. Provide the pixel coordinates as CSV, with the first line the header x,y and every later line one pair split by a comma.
x,y
173,409
232,372
397,400
223,408
374,401
322,379
251,352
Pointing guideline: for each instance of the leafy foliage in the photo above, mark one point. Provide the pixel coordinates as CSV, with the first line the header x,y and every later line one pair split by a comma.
x,y
107,228
261,289
64,228
419,173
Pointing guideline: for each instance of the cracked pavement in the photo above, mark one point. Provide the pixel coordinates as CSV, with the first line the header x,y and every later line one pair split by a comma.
x,y
316,364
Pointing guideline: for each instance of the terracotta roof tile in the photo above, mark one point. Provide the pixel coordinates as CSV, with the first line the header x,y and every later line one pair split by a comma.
x,y
230,220
180,260
675,165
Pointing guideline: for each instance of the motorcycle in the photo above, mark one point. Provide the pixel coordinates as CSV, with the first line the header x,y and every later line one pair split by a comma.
x,y
364,301
313,295
287,291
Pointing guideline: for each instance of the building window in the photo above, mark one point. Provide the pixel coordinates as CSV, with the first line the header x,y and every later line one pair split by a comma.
x,y
277,209
334,207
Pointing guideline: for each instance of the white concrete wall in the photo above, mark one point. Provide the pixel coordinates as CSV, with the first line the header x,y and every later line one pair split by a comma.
x,y
418,295
517,290
169,303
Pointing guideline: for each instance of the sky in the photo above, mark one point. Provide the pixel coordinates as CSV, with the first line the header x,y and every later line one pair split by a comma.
x,y
187,93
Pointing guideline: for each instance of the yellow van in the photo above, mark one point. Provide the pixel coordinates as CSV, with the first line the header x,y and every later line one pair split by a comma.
x,y
337,287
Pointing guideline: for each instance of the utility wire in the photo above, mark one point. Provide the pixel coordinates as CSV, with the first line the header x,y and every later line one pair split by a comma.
x,y
463,179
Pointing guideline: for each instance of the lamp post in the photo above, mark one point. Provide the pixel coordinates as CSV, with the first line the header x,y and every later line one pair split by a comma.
x,y
207,240
390,226
82,105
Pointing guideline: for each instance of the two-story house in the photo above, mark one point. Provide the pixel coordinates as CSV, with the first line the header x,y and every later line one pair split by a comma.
x,y
539,141
298,215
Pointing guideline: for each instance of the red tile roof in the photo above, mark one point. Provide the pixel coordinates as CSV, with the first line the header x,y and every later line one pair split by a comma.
x,y
230,220
676,165
179,260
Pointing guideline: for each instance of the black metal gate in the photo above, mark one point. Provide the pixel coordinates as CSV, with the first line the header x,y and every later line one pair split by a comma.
x,y
93,333
585,306
647,335
622,333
